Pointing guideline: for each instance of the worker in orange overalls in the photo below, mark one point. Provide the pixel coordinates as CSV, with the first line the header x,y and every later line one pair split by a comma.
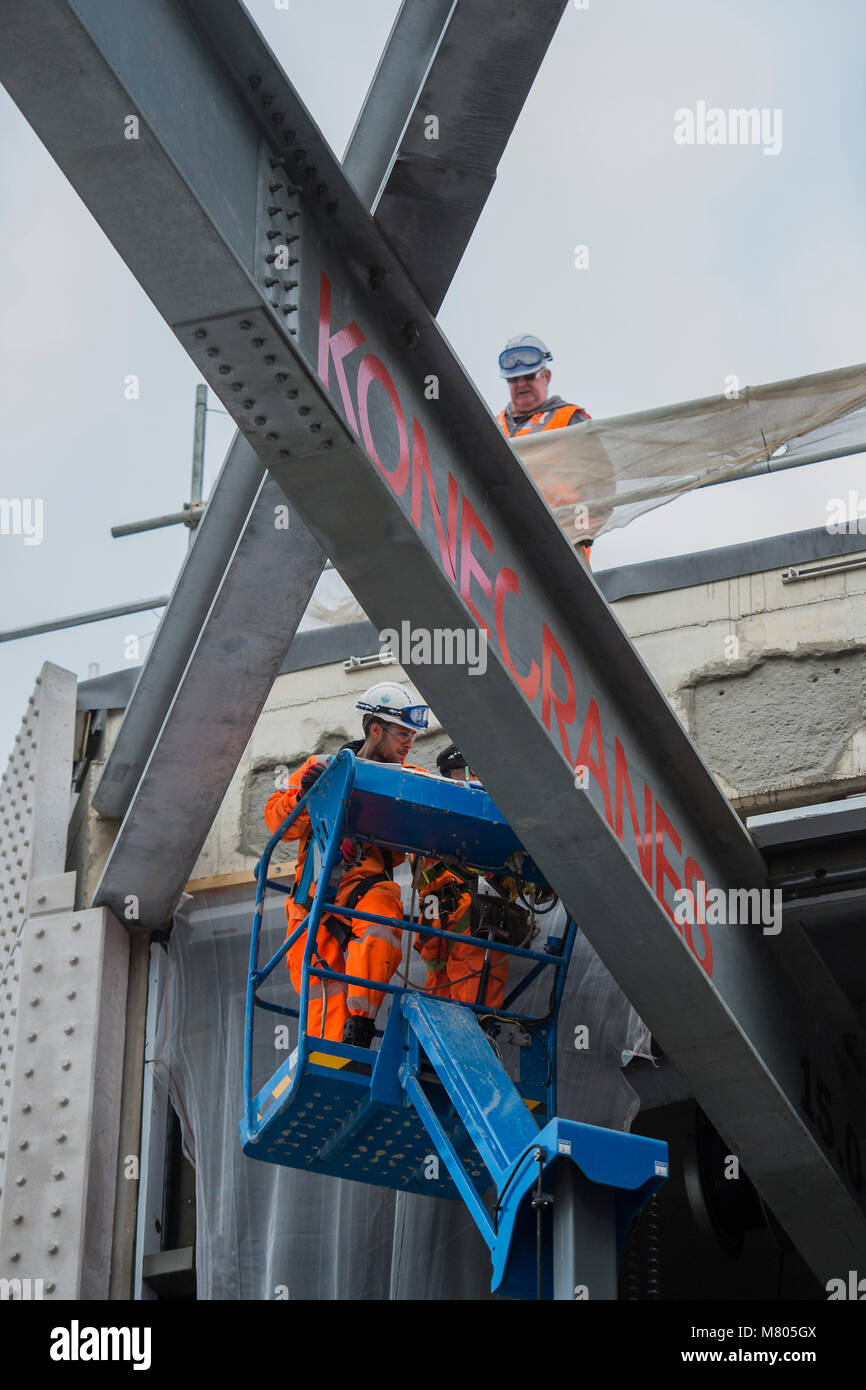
x,y
450,903
352,946
522,364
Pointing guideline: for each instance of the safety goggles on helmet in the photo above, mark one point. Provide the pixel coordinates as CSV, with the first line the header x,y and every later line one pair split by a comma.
x,y
409,716
525,357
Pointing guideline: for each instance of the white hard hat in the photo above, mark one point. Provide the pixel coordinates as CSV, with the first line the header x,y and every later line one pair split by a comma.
x,y
392,704
523,354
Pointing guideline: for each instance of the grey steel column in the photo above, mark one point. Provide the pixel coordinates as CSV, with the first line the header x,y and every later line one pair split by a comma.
x,y
584,1237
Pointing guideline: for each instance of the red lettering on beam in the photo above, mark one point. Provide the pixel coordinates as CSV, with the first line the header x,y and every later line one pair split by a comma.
x,y
564,709
643,840
693,874
370,370
596,766
508,583
469,567
421,467
338,346
664,870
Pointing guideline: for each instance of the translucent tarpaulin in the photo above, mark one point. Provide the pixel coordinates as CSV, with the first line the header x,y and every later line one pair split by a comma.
x,y
619,468
266,1232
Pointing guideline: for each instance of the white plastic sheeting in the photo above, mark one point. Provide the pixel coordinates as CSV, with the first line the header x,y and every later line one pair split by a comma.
x,y
622,467
266,1232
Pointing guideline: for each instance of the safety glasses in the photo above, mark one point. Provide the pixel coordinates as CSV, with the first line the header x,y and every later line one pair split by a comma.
x,y
528,357
415,715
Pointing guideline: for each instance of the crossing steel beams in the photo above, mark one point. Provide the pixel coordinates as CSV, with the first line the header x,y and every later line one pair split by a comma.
x,y
245,232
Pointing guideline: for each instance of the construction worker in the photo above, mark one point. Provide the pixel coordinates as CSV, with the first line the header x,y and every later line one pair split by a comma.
x,y
371,950
454,903
522,364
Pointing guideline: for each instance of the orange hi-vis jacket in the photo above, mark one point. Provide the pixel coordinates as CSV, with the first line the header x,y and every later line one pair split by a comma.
x,y
453,969
372,950
554,414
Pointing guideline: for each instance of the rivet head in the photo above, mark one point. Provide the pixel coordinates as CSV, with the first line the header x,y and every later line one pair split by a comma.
x,y
68,1030
61,1138
34,1001
224,370
41,899
28,1072
245,324
57,1173
31,1037
19,1182
213,352
55,1211
258,342
25,1144
72,993
25,1109
64,1100
261,419
76,926
248,404
200,333
50,1286
37,966
64,1066
73,960
15,1255
52,1249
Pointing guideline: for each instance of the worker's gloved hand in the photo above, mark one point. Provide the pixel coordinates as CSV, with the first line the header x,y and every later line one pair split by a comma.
x,y
312,774
350,851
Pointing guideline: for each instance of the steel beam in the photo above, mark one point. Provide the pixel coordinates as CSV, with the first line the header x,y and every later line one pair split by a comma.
x,y
233,495
392,99
440,176
362,441
390,108
208,724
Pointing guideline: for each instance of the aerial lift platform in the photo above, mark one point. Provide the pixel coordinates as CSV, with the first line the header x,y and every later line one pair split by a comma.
x,y
434,1110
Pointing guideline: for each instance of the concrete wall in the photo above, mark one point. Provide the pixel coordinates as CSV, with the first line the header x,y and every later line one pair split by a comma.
x,y
768,678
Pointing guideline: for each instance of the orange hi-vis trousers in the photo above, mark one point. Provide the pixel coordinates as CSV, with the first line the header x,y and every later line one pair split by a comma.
x,y
454,970
373,953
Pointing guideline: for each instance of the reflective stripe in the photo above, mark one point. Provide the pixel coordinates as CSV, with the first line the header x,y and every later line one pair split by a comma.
x,y
380,932
331,986
358,1001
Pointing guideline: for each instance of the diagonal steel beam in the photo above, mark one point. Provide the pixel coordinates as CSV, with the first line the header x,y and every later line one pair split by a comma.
x,y
234,493
352,397
414,58
440,169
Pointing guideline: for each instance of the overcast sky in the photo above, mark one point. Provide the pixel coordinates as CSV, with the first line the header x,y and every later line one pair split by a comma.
x,y
705,261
